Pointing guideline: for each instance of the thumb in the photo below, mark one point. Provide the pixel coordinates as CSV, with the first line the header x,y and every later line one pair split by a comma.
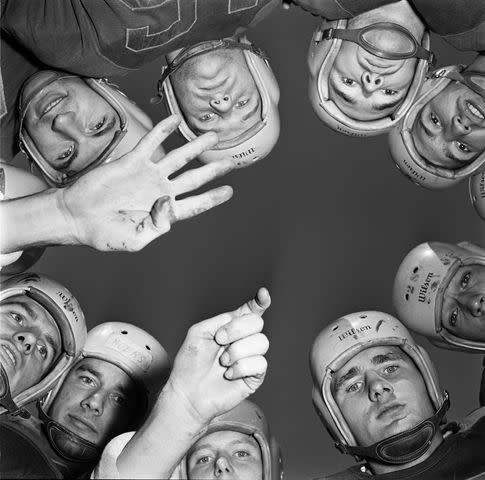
x,y
257,305
162,213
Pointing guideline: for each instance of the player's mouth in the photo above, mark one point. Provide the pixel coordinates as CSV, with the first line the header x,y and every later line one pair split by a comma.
x,y
81,423
474,110
390,410
9,354
48,102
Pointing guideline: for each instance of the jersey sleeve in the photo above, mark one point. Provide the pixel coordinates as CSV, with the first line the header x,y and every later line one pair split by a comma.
x,y
106,468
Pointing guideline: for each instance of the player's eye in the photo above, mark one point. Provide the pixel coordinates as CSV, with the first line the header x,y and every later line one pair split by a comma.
x,y
465,279
391,369
241,453
390,92
348,81
42,350
99,125
87,381
434,119
118,399
17,318
463,147
203,460
66,153
241,103
454,317
355,387
208,116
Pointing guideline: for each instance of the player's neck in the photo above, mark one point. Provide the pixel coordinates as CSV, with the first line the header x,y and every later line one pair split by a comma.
x,y
381,468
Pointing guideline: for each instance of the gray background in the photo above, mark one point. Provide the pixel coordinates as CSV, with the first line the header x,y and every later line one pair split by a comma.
x,y
323,222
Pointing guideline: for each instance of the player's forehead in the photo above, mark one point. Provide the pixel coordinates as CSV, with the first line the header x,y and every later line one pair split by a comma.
x,y
371,357
464,274
28,307
108,375
224,439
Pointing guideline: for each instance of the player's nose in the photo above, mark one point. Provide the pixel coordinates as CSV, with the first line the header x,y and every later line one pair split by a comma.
x,y
67,124
475,304
221,467
221,102
371,81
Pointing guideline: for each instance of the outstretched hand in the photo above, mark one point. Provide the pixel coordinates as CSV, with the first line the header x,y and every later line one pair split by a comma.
x,y
127,203
221,361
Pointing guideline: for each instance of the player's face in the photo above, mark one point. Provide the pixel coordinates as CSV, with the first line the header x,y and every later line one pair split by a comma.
x,y
29,342
380,392
97,401
216,92
70,124
449,131
366,87
463,311
225,455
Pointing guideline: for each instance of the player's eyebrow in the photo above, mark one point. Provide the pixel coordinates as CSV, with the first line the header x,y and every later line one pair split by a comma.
x,y
427,131
90,370
386,357
354,371
385,106
344,96
251,113
50,340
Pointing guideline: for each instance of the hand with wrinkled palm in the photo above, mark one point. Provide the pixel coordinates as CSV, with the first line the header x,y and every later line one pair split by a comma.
x,y
127,203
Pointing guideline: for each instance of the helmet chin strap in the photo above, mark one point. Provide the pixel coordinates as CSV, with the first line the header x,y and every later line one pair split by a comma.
x,y
403,447
6,400
67,444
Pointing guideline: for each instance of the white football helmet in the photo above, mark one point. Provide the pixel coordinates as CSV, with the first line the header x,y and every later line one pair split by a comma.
x,y
257,142
403,150
321,57
342,340
420,284
67,314
246,418
133,125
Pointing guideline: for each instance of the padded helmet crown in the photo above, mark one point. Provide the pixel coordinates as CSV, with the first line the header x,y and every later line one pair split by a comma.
x,y
258,141
420,285
67,314
321,57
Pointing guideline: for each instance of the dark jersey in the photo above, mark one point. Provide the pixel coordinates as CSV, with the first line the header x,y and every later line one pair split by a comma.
x,y
98,38
461,23
459,457
101,38
25,452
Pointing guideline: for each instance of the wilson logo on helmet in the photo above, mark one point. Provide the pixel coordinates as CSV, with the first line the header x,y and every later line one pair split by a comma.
x,y
355,331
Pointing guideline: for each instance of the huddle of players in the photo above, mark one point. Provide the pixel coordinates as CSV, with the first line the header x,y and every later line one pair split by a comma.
x,y
368,75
